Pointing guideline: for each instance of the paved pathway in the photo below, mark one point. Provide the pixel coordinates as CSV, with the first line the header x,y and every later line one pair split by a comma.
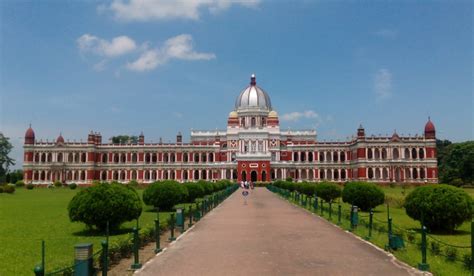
x,y
269,236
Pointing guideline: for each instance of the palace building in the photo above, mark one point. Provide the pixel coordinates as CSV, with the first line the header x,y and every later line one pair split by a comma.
x,y
252,147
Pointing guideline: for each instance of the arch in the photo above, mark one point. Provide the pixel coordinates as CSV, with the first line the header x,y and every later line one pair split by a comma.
x,y
165,174
343,156
370,173
279,174
422,153
70,157
50,158
295,156
396,153
321,157
104,158
103,175
185,157
253,176
384,153
310,156
377,153
147,157
123,175
196,175
69,175
115,175
211,157
172,157
413,153
42,176
336,174
407,173
196,157
60,157
123,158
204,157
302,156
321,174
377,173
343,174
369,153
397,175
407,153
415,173
146,175
264,176
273,175
185,175
422,173
165,157
173,175
83,157
37,157
154,157
253,122
335,158
244,176
385,174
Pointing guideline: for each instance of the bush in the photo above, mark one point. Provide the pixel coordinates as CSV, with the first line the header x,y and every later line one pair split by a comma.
x,y
362,194
30,186
467,260
104,202
57,184
20,184
443,207
9,189
328,191
457,182
165,195
289,179
133,184
451,253
208,188
72,186
194,191
307,188
435,248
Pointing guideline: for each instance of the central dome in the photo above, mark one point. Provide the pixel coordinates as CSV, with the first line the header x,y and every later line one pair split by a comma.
x,y
253,97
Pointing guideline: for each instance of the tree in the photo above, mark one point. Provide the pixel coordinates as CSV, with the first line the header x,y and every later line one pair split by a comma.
x,y
104,202
363,194
5,160
124,139
456,162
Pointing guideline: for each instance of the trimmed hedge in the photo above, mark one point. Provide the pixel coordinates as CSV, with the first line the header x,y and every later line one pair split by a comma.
x,y
20,184
444,207
194,191
328,191
30,186
363,194
165,194
72,186
104,202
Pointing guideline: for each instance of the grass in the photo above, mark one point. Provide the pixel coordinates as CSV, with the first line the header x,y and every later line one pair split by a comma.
x,y
28,216
411,254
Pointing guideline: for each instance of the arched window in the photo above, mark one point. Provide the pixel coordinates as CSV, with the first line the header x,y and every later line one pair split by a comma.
x,y
369,153
50,158
37,157
310,156
371,173
415,173
134,175
196,175
343,174
154,158
295,157
103,175
303,156
253,122
413,153
384,154
185,157
377,154
321,157
422,153
211,157
60,157
165,158
134,157
396,154
343,157
204,157
104,158
123,158
407,154
321,174
335,158
147,157
115,175
83,157
172,157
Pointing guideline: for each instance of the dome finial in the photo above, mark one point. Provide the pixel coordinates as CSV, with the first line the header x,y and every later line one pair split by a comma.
x,y
253,80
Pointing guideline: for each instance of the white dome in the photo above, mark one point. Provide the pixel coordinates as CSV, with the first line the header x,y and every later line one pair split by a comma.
x,y
253,97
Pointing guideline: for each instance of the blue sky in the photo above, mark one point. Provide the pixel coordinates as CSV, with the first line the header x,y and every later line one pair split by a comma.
x,y
121,67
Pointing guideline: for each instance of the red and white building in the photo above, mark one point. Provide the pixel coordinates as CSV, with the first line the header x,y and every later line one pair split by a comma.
x,y
253,147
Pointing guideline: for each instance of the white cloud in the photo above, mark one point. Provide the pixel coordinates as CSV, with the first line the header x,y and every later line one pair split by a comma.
x,y
383,84
386,33
296,116
178,47
147,10
119,45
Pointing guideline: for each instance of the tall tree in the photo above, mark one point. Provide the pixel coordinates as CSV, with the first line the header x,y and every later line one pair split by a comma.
x,y
124,139
5,160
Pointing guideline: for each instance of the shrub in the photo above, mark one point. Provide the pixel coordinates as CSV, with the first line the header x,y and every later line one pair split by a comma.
x,y
57,184
362,194
194,191
104,202
307,188
443,207
435,248
20,184
72,186
133,184
289,179
451,253
165,194
9,189
467,260
30,186
456,182
208,188
328,191
411,236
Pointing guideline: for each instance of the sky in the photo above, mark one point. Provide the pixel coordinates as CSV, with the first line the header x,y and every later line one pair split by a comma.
x,y
127,66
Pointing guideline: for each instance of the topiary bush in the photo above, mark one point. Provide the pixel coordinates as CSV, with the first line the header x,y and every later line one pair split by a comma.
x,y
208,187
307,188
165,194
194,191
72,186
444,207
104,202
9,189
328,191
133,184
57,184
362,194
30,186
20,184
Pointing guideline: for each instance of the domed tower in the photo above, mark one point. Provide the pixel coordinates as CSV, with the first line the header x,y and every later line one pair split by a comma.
x,y
430,132
252,106
29,136
60,139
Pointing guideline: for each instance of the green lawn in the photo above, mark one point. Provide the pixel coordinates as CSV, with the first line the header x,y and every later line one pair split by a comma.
x,y
411,254
28,216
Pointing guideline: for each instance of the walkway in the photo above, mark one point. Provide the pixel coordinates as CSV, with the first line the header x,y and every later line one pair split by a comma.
x,y
269,236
